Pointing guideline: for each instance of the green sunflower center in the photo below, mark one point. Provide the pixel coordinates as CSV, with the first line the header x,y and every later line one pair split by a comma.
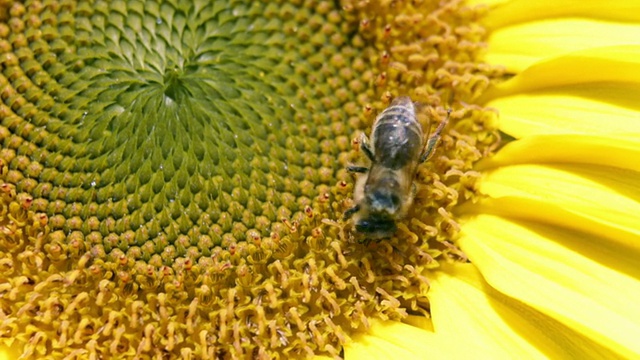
x,y
174,172
168,120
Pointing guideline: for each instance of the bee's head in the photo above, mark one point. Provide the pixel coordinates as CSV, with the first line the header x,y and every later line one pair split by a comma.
x,y
376,227
384,196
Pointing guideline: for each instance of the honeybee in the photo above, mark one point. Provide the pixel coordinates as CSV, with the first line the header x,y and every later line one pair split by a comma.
x,y
386,193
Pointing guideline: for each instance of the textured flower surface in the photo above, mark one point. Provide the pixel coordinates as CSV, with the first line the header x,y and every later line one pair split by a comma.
x,y
173,172
554,239
173,180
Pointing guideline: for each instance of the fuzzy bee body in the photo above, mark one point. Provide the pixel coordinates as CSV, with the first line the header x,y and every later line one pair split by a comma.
x,y
386,193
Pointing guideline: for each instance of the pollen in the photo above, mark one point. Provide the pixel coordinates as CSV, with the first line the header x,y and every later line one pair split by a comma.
x,y
172,178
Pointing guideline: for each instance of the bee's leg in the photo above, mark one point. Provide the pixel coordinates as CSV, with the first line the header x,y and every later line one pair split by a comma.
x,y
433,140
349,213
357,169
364,145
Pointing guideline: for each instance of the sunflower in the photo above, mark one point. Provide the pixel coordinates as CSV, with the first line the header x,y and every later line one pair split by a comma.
x,y
173,180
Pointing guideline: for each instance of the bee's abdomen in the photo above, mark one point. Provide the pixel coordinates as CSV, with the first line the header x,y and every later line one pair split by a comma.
x,y
397,137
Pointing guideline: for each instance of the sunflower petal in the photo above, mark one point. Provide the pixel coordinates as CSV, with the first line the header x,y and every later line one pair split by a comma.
x,y
603,196
612,237
506,12
395,340
421,322
576,111
519,46
466,307
602,64
573,284
591,92
618,150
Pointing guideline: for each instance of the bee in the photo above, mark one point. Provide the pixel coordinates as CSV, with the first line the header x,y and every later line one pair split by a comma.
x,y
398,146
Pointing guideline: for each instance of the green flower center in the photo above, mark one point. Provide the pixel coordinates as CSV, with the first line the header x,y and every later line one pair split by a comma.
x,y
176,119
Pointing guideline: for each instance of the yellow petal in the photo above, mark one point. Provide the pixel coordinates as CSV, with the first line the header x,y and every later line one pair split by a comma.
x,y
603,196
611,235
504,12
568,113
395,340
559,272
603,64
421,322
519,46
619,150
589,92
464,306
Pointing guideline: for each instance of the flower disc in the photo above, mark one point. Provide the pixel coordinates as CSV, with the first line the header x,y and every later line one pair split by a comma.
x,y
173,172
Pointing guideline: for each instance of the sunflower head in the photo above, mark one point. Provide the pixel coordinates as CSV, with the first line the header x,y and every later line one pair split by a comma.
x,y
173,174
